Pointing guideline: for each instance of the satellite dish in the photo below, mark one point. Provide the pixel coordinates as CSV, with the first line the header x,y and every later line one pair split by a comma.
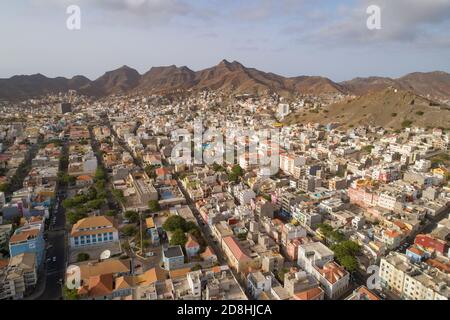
x,y
105,255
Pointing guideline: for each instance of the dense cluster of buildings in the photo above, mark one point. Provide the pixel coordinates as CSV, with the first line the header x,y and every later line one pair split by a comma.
x,y
307,225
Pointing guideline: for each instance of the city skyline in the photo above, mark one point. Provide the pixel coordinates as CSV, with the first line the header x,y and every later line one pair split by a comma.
x,y
290,38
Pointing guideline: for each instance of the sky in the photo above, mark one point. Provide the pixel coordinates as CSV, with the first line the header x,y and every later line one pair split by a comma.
x,y
289,37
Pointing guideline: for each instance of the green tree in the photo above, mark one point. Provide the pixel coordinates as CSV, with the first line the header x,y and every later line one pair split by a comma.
x,y
132,216
174,223
70,294
100,174
233,177
119,196
95,204
349,263
178,238
4,187
111,213
74,216
129,230
82,256
237,170
153,206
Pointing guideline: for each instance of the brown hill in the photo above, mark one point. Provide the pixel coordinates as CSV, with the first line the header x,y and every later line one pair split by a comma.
x,y
431,84
229,77
163,79
113,82
24,87
390,108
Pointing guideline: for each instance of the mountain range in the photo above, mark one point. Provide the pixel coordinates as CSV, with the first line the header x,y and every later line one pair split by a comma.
x,y
229,77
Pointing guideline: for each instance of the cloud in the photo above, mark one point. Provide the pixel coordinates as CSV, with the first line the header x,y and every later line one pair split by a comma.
x,y
151,11
418,22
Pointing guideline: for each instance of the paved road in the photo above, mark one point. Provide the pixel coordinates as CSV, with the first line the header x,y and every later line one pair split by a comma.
x,y
56,244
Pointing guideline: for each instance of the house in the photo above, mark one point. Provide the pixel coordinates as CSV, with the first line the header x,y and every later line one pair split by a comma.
x,y
334,279
257,283
431,244
302,286
192,247
209,256
28,239
93,231
163,174
84,181
362,293
239,260
173,258
18,276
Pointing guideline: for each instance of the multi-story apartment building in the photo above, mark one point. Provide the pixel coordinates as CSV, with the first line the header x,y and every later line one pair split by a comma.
x,y
19,276
413,281
28,239
316,259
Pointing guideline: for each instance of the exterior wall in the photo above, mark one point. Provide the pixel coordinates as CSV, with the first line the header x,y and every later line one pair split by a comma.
x,y
94,239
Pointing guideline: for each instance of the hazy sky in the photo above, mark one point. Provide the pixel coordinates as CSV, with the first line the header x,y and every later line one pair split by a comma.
x,y
288,37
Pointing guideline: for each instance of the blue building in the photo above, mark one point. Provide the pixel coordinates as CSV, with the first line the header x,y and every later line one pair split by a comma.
x,y
173,258
29,238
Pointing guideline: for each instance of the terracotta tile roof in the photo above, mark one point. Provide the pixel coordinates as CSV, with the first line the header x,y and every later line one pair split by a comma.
x,y
124,282
24,235
84,178
332,272
112,266
179,273
362,293
310,294
191,243
4,263
100,285
208,252
92,222
416,250
151,276
235,248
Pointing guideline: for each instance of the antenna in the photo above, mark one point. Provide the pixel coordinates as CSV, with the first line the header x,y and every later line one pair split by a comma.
x,y
105,255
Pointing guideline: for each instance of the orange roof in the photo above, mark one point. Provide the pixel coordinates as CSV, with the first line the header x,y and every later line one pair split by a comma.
x,y
84,178
179,273
365,294
124,282
162,171
24,235
150,223
101,285
151,276
235,248
93,222
416,250
191,243
332,272
444,267
310,294
392,233
208,252
4,263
